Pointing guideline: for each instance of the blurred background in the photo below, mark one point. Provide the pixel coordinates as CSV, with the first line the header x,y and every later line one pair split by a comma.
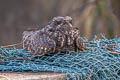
x,y
90,16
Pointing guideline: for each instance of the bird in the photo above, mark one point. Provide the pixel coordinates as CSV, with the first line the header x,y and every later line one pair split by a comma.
x,y
38,43
58,36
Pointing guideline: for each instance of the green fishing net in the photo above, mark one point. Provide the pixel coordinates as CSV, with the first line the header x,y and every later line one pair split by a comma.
x,y
95,63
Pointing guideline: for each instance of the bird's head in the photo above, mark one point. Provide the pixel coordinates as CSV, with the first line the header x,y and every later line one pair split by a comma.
x,y
62,20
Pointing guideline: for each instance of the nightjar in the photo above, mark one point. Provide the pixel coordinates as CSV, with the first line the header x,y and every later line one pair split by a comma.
x,y
58,36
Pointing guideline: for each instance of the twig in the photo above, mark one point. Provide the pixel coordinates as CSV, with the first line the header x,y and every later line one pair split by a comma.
x,y
13,45
114,52
13,58
90,74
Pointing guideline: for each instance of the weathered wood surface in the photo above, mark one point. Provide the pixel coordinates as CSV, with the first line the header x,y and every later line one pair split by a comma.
x,y
32,76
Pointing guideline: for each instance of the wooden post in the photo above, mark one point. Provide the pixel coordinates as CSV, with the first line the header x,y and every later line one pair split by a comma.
x,y
32,76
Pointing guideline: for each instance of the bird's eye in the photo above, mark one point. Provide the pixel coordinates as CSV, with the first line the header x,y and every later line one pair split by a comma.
x,y
58,22
51,30
71,21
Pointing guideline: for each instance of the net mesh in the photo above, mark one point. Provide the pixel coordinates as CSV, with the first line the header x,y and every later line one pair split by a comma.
x,y
95,63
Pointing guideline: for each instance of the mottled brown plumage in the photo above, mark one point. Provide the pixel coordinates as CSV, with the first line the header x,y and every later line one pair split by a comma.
x,y
58,36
